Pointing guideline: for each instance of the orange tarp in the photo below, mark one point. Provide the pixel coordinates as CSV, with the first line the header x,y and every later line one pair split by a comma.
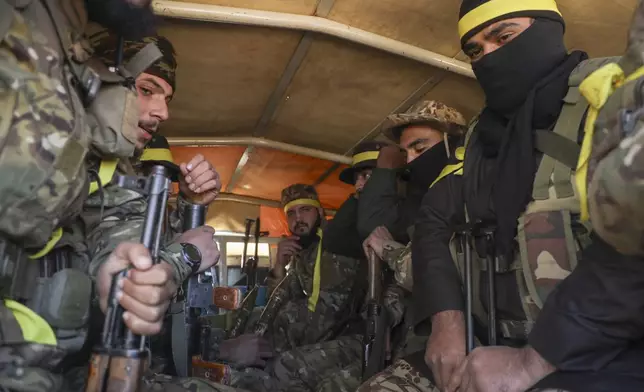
x,y
273,221
268,171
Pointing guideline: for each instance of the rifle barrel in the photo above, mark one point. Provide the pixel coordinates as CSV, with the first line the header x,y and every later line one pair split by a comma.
x,y
469,318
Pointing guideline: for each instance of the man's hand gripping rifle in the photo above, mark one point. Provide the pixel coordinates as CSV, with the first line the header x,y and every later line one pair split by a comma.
x,y
119,362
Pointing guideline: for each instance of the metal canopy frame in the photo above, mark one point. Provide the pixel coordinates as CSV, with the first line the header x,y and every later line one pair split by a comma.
x,y
311,25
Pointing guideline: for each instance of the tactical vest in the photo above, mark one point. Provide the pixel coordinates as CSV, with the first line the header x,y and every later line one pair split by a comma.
x,y
54,106
610,175
44,139
550,234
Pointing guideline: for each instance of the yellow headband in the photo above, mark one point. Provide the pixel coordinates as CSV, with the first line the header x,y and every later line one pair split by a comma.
x,y
495,8
301,202
365,156
156,154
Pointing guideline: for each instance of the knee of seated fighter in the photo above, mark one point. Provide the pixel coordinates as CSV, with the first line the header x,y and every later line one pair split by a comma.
x,y
286,367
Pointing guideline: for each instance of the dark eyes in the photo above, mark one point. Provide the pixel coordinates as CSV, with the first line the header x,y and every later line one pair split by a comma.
x,y
505,37
474,53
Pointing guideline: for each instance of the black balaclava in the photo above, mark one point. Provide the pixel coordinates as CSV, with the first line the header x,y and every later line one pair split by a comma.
x,y
419,175
422,171
525,82
508,74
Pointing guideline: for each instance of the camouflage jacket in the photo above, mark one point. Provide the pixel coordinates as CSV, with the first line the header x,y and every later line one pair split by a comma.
x,y
113,215
45,137
340,295
398,258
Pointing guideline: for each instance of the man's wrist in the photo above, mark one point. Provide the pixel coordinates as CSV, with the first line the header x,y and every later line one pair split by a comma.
x,y
448,319
172,254
536,366
278,271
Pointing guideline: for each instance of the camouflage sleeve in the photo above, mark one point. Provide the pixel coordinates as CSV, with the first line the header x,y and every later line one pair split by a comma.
x,y
272,280
291,286
122,223
176,216
393,301
398,258
340,276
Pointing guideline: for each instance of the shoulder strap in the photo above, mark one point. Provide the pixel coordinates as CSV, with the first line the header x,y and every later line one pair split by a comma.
x,y
560,148
105,173
143,59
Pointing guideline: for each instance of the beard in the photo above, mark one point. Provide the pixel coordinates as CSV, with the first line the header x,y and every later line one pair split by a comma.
x,y
122,18
307,239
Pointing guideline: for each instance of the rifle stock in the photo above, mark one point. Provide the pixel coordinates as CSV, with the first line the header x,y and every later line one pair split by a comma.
x,y
120,360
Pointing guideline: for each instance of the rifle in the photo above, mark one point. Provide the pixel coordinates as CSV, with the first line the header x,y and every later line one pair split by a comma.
x,y
187,320
119,362
465,237
204,365
375,338
230,298
242,314
272,306
482,237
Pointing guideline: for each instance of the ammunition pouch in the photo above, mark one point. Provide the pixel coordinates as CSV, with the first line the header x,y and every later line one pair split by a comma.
x,y
47,286
63,300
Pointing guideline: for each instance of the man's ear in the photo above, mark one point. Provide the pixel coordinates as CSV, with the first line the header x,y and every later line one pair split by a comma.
x,y
321,212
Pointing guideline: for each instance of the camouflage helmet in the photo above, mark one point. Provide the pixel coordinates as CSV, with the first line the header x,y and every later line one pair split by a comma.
x,y
299,194
431,113
365,156
105,45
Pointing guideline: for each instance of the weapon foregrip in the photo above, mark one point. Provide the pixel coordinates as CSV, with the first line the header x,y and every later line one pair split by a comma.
x,y
194,216
374,279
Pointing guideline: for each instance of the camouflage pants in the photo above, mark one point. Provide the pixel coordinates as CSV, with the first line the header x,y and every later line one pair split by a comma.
x,y
76,378
346,380
399,377
402,377
161,383
289,329
307,368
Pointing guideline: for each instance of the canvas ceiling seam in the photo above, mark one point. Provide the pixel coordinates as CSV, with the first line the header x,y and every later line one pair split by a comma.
x,y
276,98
